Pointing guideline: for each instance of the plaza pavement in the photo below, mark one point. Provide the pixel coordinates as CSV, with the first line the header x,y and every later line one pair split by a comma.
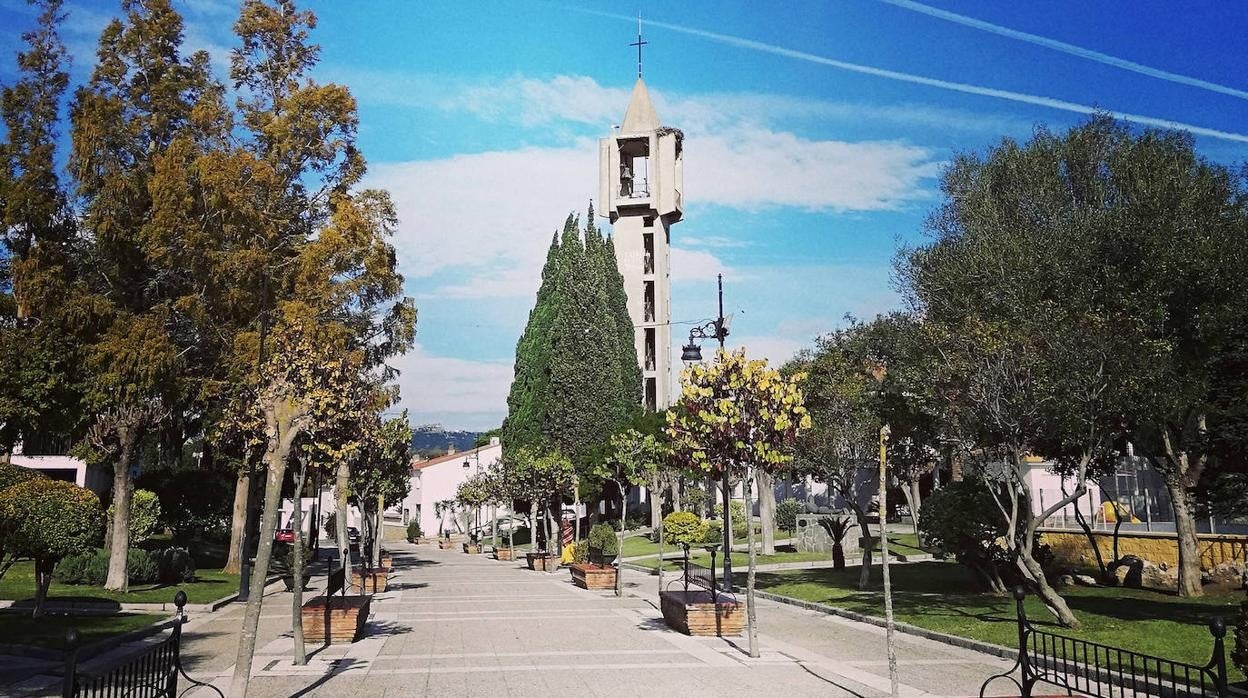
x,y
458,625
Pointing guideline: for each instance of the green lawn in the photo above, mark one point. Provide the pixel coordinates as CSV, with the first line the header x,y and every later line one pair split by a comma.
x,y
938,596
19,584
49,631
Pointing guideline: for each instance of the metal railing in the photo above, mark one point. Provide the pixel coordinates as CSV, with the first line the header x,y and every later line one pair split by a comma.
x,y
152,674
700,576
1093,669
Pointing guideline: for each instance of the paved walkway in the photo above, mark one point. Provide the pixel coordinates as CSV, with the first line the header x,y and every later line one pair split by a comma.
x,y
460,625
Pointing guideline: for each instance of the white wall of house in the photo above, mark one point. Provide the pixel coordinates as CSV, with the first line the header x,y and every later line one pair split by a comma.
x,y
437,479
67,468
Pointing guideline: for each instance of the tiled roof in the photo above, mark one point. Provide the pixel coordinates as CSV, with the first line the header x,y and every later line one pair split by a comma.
x,y
438,460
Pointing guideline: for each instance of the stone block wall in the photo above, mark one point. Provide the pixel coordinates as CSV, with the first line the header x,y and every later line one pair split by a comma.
x,y
1072,547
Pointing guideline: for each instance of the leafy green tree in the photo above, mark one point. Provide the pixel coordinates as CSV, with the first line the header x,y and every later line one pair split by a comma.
x,y
684,528
528,400
10,550
961,521
1133,249
47,521
635,459
738,414
45,315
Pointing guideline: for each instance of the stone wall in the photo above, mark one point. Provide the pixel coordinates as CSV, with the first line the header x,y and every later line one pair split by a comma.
x,y
1072,547
811,537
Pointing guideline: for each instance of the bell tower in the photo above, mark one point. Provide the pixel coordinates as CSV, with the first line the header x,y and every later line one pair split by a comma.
x,y
640,180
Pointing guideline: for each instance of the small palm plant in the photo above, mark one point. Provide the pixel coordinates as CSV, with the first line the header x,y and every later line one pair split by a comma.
x,y
837,527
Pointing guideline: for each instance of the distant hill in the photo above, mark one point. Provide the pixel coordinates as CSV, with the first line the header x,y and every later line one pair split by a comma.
x,y
432,439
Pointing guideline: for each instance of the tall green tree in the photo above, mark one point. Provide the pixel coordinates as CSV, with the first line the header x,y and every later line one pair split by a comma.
x,y
45,314
528,400
132,130
1085,286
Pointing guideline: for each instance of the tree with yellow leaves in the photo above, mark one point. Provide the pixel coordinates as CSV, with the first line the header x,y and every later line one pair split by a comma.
x,y
737,414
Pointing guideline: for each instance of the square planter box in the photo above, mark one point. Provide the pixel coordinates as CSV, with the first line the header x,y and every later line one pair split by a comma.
x,y
335,620
445,544
472,549
596,577
370,581
387,562
693,613
542,562
504,554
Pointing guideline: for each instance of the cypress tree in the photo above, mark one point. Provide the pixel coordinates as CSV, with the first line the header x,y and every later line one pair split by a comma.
x,y
617,299
528,401
584,358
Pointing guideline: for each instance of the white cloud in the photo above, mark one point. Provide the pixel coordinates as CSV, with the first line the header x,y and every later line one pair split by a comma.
x,y
697,265
459,392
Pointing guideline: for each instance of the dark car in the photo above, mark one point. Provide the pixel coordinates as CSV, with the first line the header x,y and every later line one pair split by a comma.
x,y
353,535
284,535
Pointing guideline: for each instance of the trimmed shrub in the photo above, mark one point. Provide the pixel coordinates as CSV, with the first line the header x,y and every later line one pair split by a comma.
x,y
786,514
714,535
413,530
91,568
961,520
83,568
602,536
738,517
176,565
684,528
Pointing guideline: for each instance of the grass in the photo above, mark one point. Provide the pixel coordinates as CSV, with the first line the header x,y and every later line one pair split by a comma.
x,y
940,596
19,585
49,631
739,559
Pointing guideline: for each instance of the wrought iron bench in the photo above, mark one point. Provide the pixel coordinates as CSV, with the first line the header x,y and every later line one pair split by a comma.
x,y
1097,670
705,610
153,673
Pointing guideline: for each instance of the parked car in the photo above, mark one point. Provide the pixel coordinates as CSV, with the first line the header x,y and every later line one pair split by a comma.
x,y
353,535
284,535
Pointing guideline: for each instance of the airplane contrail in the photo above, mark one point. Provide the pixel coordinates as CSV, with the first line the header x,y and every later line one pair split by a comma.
x,y
1067,48
966,88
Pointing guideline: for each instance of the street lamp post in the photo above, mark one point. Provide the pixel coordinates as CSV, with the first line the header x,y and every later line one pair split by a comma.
x,y
476,514
691,353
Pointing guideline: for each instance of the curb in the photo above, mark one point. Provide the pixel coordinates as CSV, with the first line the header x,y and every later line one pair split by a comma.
x,y
109,607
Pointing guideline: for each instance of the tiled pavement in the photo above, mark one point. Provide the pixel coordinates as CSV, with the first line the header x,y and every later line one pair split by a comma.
x,y
458,625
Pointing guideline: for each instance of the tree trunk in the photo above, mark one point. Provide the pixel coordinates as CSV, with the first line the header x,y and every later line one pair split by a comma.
x,y
43,579
868,547
656,507
123,491
238,521
619,550
767,510
751,617
381,530
533,524
676,505
1054,601
296,610
1096,549
283,430
913,500
342,481
1189,546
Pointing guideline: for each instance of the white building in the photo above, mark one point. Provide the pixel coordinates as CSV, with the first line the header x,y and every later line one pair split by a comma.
x,y
51,460
437,479
640,184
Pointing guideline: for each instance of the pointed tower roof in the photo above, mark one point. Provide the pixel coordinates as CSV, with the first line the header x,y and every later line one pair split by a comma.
x,y
640,116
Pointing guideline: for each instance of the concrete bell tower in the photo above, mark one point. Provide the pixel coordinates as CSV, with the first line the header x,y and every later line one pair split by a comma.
x,y
640,184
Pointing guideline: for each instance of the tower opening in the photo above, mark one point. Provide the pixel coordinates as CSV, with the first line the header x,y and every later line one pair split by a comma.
x,y
649,348
648,301
651,394
634,180
647,253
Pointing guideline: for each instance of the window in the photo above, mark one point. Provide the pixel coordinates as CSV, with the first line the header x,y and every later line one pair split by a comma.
x,y
647,257
651,392
649,348
634,168
649,301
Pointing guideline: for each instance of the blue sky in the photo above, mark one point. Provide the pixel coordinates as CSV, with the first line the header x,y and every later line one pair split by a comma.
x,y
816,133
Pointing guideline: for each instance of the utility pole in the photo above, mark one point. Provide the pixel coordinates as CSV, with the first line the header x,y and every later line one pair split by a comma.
x,y
720,334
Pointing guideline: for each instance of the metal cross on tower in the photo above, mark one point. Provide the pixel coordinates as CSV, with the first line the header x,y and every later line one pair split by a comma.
x,y
639,43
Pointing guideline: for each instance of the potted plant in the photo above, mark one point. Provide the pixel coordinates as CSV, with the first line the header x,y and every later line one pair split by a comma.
x,y
287,566
414,533
596,573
